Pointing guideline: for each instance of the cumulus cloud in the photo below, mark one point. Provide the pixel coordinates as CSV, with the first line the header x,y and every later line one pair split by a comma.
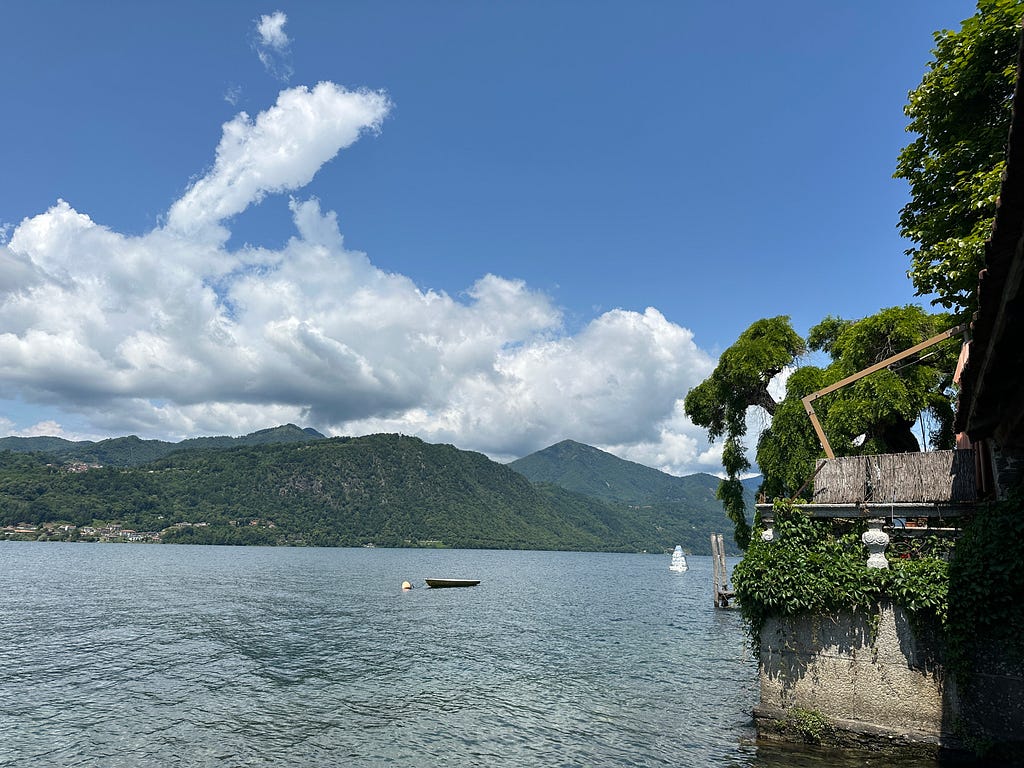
x,y
615,385
172,334
273,45
46,428
280,150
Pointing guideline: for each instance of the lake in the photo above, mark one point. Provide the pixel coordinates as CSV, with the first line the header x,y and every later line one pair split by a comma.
x,y
162,655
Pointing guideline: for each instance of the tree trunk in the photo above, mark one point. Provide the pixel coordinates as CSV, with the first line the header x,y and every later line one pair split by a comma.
x,y
899,437
766,401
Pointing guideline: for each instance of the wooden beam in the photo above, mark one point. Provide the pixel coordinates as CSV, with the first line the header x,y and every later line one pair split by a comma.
x,y
868,509
807,401
817,425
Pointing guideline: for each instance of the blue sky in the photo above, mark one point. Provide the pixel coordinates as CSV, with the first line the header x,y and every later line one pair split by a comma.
x,y
492,224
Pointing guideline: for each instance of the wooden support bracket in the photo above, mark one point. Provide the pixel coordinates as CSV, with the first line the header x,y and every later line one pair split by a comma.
x,y
809,400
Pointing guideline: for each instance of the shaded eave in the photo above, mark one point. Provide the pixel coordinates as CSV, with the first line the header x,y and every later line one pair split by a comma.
x,y
855,510
992,383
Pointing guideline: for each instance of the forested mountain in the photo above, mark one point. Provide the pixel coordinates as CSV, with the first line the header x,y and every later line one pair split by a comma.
x,y
661,499
133,452
593,472
386,490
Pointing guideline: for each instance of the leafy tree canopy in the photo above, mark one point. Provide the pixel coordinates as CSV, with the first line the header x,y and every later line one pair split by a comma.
x,y
741,378
961,113
881,408
885,406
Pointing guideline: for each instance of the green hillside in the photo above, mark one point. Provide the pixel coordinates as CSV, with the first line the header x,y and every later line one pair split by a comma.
x,y
686,506
386,490
133,452
593,472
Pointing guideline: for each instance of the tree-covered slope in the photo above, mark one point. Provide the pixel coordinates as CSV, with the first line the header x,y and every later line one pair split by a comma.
x,y
684,507
382,489
593,472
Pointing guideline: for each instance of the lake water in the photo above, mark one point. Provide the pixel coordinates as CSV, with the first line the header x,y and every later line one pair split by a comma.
x,y
149,655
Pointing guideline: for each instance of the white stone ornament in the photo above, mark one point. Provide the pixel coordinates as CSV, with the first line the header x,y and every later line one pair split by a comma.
x,y
876,540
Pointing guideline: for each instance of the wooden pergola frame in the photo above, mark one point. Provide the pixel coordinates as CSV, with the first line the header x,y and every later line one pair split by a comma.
x,y
809,400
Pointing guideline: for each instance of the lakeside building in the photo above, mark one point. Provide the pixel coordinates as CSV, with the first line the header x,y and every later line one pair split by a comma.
x,y
886,683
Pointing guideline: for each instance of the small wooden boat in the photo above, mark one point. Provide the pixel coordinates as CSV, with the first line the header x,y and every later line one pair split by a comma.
x,y
439,583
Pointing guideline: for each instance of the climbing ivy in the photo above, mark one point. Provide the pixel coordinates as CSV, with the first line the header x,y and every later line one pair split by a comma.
x,y
809,570
986,585
921,586
971,596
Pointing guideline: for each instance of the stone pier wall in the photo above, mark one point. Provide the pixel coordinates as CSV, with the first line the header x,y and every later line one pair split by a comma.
x,y
883,687
860,679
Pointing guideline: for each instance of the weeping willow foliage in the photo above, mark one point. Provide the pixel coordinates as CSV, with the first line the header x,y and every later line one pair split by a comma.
x,y
740,381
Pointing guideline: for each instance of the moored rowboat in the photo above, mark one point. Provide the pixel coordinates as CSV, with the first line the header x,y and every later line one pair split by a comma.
x,y
438,583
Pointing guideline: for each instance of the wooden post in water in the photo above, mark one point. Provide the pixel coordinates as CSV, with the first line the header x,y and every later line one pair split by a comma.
x,y
717,568
721,572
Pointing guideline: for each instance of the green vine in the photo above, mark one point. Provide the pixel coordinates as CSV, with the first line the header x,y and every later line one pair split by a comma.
x,y
986,584
969,594
730,490
920,586
808,570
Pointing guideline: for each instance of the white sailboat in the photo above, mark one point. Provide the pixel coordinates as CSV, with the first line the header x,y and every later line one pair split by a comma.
x,y
678,560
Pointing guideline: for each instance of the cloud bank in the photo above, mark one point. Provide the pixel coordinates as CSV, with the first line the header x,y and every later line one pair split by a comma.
x,y
172,334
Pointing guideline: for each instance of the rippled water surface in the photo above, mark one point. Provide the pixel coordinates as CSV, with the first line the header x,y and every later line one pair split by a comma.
x,y
136,655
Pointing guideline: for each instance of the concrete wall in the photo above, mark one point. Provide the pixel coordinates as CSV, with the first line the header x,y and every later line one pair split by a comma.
x,y
990,708
887,683
885,688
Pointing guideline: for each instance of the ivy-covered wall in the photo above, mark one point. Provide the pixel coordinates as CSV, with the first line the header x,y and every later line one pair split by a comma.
x,y
929,651
984,628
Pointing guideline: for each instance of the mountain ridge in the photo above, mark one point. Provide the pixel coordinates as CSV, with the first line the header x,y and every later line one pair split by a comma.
x,y
131,450
585,469
662,499
385,490
314,489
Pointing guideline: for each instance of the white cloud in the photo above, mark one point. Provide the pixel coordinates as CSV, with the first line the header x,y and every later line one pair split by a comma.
x,y
615,385
777,386
171,334
15,271
675,449
47,428
272,45
279,151
271,31
43,429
